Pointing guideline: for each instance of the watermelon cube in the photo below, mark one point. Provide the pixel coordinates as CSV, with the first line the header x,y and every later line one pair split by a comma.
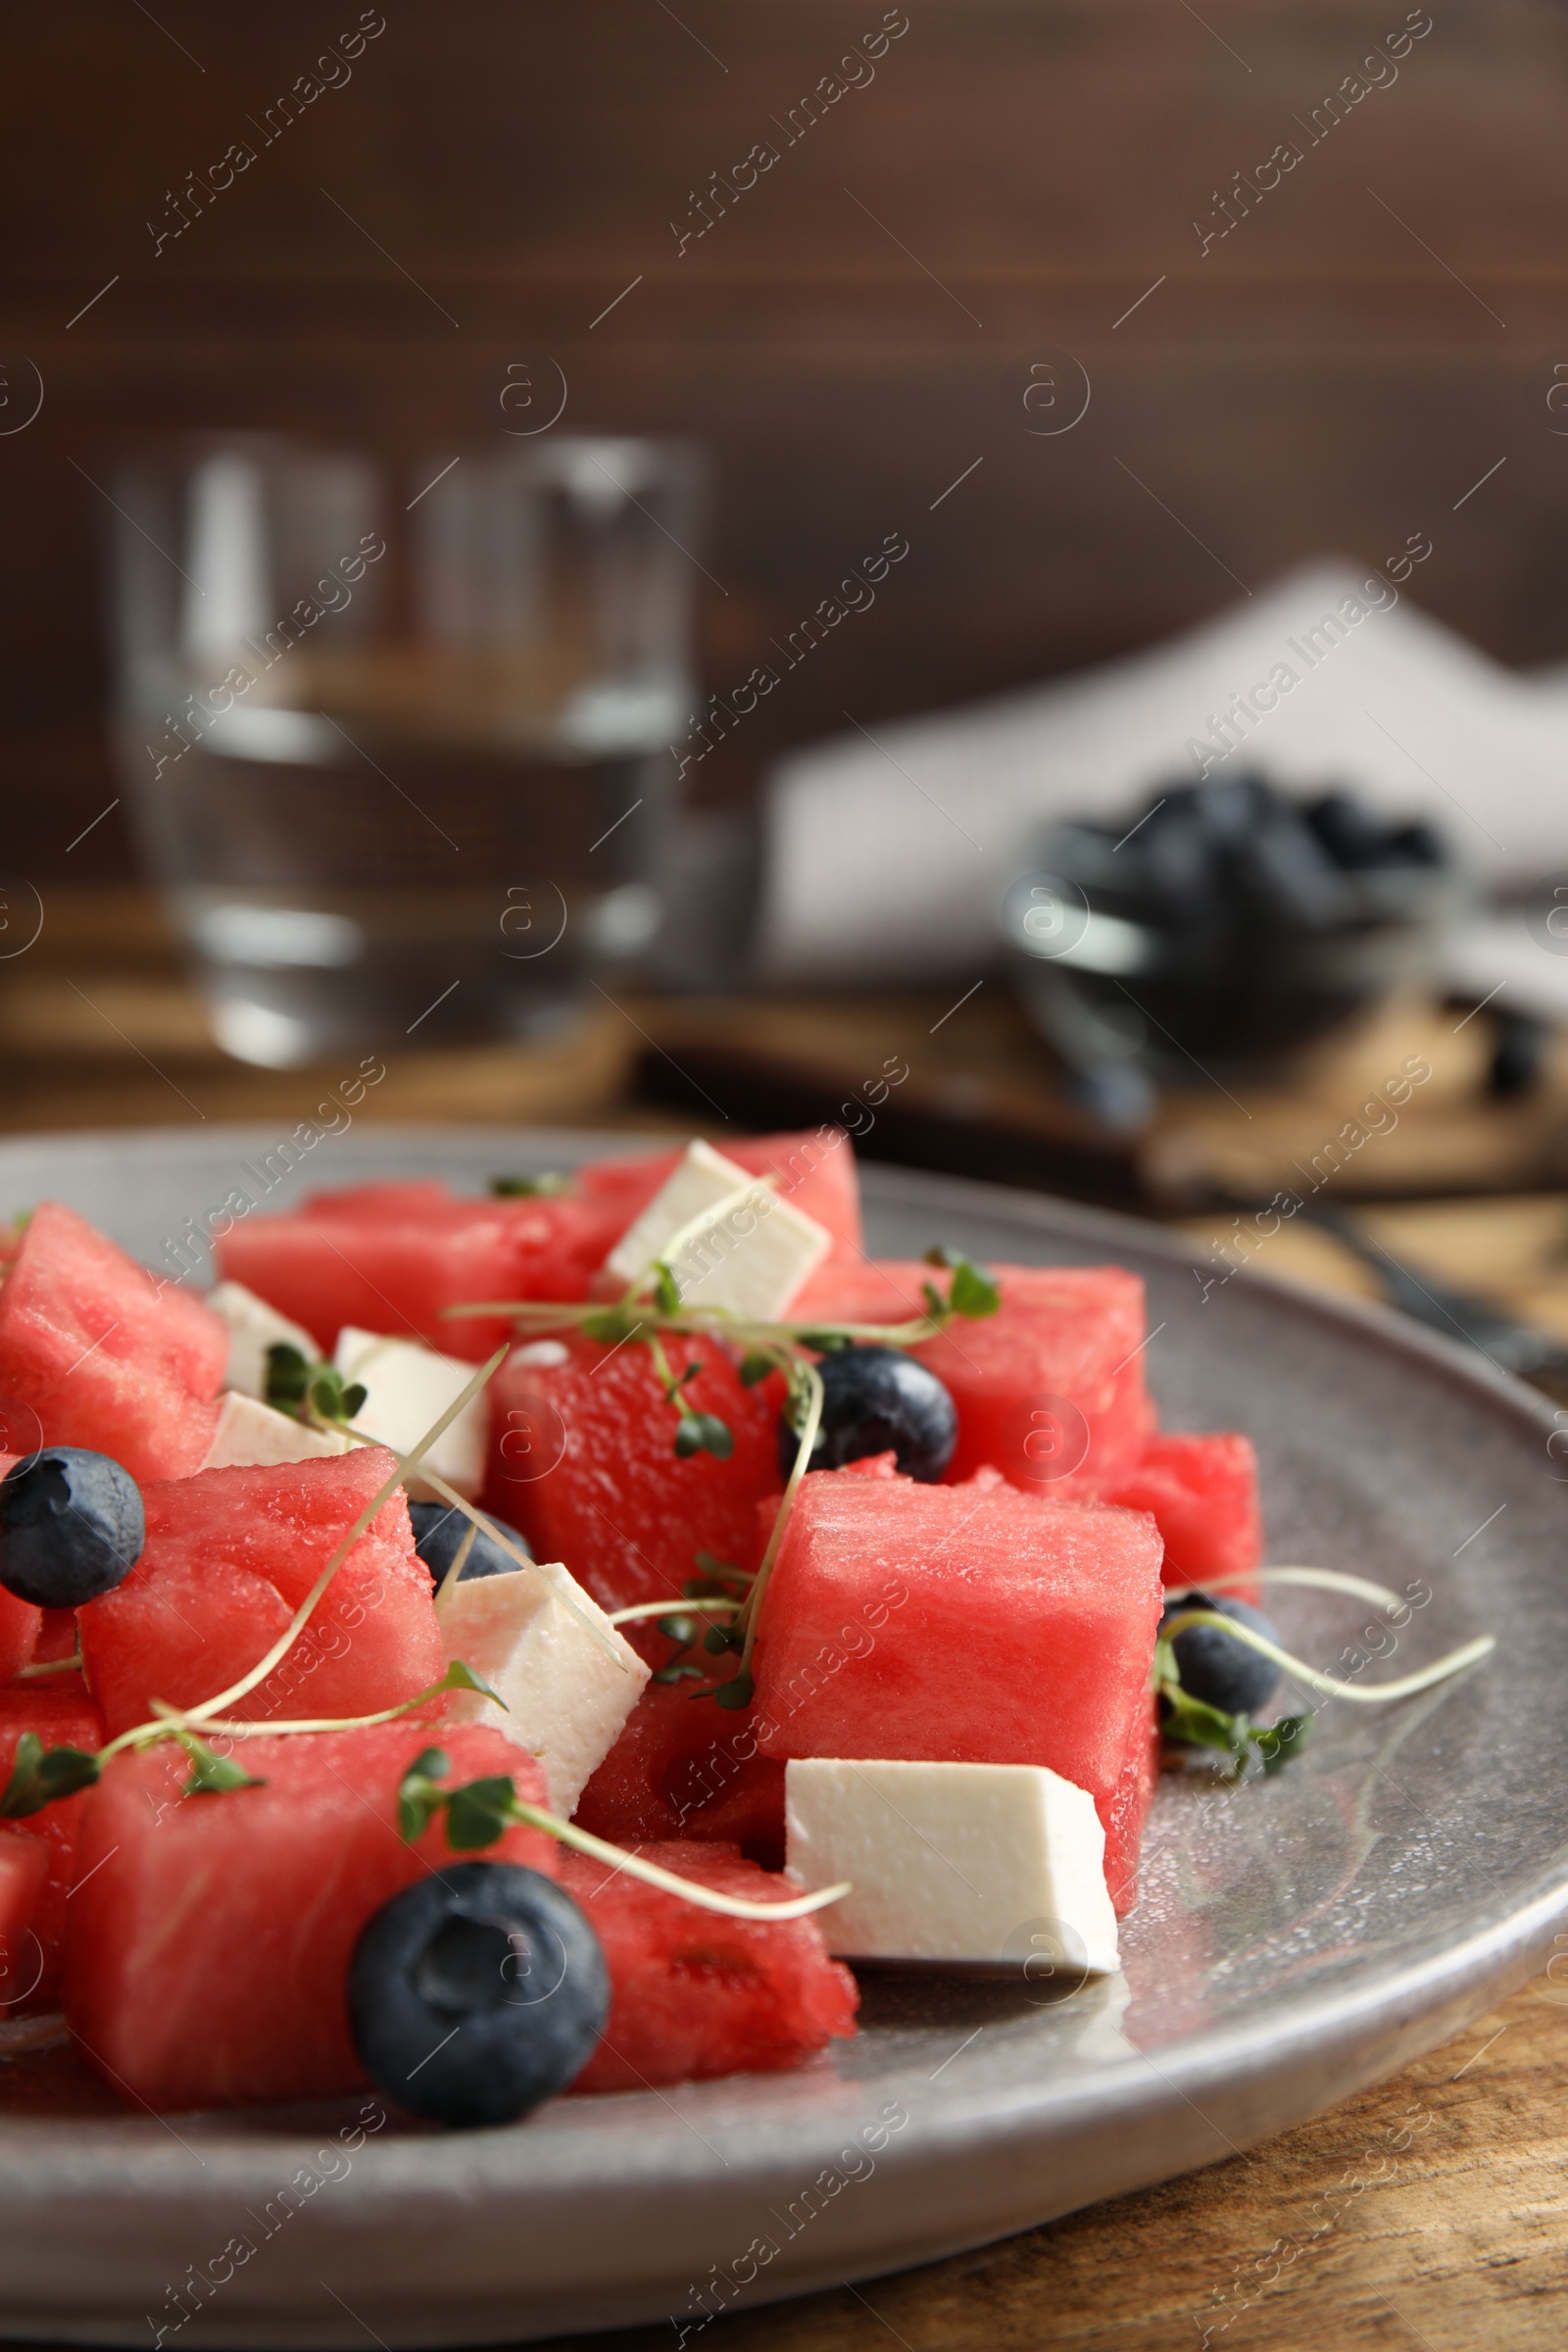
x,y
583,1460
1050,1390
61,1714
815,1171
694,1995
1201,1488
230,1554
1123,1815
24,1868
210,1935
389,1257
973,1625
683,1768
96,1352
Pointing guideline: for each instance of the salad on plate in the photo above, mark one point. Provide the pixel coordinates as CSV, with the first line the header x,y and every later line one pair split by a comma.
x,y
495,1647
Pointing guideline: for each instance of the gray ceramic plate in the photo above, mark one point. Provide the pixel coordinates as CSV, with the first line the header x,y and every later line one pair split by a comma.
x,y
1297,1938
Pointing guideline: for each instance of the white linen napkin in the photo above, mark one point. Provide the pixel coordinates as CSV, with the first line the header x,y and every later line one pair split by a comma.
x,y
886,854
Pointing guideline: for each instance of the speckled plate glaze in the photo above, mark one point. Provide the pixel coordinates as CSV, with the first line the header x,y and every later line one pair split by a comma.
x,y
1297,1938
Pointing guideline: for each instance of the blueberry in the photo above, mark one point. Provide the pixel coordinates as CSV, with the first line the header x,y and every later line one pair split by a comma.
x,y
477,1992
438,1531
1214,1667
879,1401
71,1526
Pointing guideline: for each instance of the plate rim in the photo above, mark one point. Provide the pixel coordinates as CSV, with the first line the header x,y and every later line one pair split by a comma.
x,y
1346,2037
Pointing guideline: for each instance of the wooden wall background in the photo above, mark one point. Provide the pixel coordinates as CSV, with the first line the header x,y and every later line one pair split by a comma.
x,y
1328,376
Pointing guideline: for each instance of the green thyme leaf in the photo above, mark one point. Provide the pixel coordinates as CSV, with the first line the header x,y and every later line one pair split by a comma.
x,y
1195,1724
755,1365
419,1797
720,1638
736,1694
683,1630
212,1774
40,1775
720,1580
666,1290
704,1432
460,1677
288,1375
529,1188
972,1291
677,1671
1283,1739
611,1324
353,1398
479,1812
826,1343
936,1307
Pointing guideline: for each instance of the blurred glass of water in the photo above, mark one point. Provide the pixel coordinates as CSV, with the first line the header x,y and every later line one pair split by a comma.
x,y
399,756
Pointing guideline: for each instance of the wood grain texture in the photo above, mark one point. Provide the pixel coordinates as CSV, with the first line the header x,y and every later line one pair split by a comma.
x,y
1426,2214
848,337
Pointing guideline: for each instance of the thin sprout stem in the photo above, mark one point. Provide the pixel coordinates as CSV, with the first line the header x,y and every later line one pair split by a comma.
x,y
1327,1580
675,1608
171,1721
707,1898
460,1561
750,1608
1377,1695
711,1322
71,1665
343,1723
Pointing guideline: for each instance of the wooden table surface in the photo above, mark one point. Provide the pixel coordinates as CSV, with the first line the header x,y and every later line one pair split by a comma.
x,y
1331,2236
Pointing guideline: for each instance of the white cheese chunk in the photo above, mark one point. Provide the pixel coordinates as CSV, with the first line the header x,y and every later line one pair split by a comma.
x,y
409,1386
991,1862
566,1693
253,1328
250,1433
749,1254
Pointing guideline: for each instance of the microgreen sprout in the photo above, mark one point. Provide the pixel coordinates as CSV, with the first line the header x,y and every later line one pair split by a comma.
x,y
529,1188
480,1812
1193,1723
304,1390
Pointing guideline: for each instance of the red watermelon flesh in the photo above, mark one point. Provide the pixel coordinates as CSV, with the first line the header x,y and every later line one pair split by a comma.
x,y
392,1264
96,1352
583,1460
971,1625
684,1768
1201,1488
1050,1389
230,1554
21,1624
56,1637
209,1936
24,1868
694,1995
1122,1816
814,1170
61,1718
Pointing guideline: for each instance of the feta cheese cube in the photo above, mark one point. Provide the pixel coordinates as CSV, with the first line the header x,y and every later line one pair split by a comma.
x,y
253,1328
750,1254
979,1862
408,1385
566,1693
250,1433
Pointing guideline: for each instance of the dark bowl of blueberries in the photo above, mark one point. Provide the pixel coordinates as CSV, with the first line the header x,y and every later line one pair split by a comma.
x,y
1218,931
